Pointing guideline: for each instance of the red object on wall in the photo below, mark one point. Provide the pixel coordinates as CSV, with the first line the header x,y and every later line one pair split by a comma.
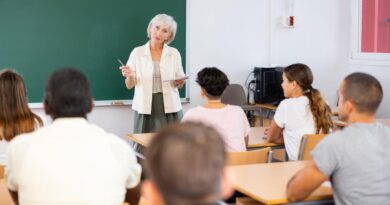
x,y
375,26
291,20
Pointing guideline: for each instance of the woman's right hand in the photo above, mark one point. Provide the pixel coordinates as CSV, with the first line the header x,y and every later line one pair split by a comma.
x,y
127,72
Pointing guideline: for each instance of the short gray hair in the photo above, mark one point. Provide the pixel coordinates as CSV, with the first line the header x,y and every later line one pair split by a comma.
x,y
166,20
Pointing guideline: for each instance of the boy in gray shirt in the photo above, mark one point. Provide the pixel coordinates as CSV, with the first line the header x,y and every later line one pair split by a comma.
x,y
356,159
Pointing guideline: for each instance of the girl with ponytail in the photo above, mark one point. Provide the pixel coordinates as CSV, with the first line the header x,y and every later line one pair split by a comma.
x,y
303,112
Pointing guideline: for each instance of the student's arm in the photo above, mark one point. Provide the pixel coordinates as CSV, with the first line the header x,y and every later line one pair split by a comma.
x,y
305,182
133,195
246,138
274,133
14,196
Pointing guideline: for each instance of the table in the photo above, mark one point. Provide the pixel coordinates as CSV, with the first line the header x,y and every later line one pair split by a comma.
x,y
255,138
267,183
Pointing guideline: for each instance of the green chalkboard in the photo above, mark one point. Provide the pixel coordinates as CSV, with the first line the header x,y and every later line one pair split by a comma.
x,y
40,36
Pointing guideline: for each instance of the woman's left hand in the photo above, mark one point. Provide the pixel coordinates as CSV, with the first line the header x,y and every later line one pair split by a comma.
x,y
179,83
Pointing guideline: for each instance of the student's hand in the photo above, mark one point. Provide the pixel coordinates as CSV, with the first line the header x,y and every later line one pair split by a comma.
x,y
266,132
127,72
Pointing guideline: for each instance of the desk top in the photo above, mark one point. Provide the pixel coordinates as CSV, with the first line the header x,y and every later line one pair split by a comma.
x,y
255,138
267,106
267,183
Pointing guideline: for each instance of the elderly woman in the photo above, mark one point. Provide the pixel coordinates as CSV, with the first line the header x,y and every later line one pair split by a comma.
x,y
152,70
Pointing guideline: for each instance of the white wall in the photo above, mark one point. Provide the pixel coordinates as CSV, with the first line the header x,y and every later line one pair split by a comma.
x,y
237,35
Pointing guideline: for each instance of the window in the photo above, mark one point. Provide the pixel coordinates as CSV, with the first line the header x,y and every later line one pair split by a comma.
x,y
371,35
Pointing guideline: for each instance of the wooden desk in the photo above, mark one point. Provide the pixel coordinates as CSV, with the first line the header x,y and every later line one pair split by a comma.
x,y
267,106
267,183
255,138
141,138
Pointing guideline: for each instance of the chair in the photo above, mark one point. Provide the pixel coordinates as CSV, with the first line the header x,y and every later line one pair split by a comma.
x,y
246,201
308,142
250,157
234,94
1,171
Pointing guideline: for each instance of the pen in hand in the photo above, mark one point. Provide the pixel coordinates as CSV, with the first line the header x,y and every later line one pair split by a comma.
x,y
126,71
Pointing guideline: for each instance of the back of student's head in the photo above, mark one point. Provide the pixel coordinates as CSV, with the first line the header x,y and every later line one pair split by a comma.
x,y
67,94
213,81
303,76
186,163
364,91
15,115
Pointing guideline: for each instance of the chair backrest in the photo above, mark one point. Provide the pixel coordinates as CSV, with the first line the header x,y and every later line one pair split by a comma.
x,y
1,171
308,143
250,157
234,94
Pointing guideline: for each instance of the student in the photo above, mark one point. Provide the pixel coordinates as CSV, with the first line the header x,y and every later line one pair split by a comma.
x,y
303,112
229,120
357,158
15,115
71,161
185,166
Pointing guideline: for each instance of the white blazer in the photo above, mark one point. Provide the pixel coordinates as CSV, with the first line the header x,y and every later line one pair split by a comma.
x,y
140,61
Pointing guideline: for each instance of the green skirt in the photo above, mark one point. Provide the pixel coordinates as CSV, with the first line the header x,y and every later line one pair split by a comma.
x,y
158,119
144,123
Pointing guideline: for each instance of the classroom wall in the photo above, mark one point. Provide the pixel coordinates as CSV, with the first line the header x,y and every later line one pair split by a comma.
x,y
237,35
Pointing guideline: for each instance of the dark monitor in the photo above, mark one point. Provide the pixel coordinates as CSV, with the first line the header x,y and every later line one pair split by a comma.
x,y
268,85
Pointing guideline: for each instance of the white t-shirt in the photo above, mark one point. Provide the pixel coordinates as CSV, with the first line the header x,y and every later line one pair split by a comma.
x,y
230,121
71,162
295,117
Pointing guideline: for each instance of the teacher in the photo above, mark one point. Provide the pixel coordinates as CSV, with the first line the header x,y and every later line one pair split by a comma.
x,y
153,70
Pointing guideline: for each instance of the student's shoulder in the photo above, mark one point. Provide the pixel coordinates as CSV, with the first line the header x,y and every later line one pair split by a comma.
x,y
284,103
195,111
23,140
115,141
334,139
234,108
105,134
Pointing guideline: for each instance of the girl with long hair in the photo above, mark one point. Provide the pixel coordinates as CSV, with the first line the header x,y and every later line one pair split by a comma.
x,y
15,115
303,112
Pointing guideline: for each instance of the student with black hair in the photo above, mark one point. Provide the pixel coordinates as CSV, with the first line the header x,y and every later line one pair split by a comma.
x,y
229,120
357,158
71,161
185,165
